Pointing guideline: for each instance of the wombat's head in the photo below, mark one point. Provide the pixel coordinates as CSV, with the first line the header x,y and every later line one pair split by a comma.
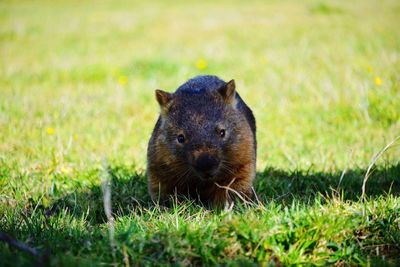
x,y
201,130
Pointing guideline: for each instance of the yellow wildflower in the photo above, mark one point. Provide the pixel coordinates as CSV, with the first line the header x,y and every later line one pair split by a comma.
x,y
75,136
264,61
65,170
50,131
122,80
369,69
201,64
378,81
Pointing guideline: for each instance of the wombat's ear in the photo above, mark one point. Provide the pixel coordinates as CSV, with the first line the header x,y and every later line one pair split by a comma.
x,y
228,92
164,99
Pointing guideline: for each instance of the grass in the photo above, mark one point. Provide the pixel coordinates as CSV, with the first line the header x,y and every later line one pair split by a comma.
x,y
77,85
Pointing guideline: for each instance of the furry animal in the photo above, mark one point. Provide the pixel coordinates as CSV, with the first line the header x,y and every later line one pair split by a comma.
x,y
203,145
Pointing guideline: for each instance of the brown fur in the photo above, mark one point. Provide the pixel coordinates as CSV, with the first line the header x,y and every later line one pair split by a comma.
x,y
199,115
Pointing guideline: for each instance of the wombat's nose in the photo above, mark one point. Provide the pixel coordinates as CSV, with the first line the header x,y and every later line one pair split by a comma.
x,y
206,163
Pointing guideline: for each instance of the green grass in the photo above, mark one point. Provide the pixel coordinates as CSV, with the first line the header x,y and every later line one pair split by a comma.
x,y
77,85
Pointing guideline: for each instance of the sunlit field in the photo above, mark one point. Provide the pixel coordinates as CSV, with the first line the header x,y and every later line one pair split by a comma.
x,y
77,81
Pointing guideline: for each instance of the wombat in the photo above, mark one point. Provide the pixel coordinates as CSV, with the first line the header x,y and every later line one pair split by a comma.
x,y
203,145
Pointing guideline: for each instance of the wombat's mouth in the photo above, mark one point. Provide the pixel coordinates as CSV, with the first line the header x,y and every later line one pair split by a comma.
x,y
207,175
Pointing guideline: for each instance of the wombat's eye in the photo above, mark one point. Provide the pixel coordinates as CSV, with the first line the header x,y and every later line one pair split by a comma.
x,y
222,133
180,138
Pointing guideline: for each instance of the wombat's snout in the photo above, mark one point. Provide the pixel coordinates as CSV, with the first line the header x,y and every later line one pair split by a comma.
x,y
206,164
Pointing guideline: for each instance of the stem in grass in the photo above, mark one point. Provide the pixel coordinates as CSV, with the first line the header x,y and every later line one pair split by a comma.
x,y
18,244
228,188
106,188
344,171
373,161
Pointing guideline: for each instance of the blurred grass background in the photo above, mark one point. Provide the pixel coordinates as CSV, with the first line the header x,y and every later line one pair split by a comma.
x,y
321,77
77,81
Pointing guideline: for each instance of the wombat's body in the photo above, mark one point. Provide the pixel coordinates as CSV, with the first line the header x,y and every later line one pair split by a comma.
x,y
204,141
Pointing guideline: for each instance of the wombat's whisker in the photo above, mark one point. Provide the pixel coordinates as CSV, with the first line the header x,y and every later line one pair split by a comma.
x,y
183,175
176,164
227,168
